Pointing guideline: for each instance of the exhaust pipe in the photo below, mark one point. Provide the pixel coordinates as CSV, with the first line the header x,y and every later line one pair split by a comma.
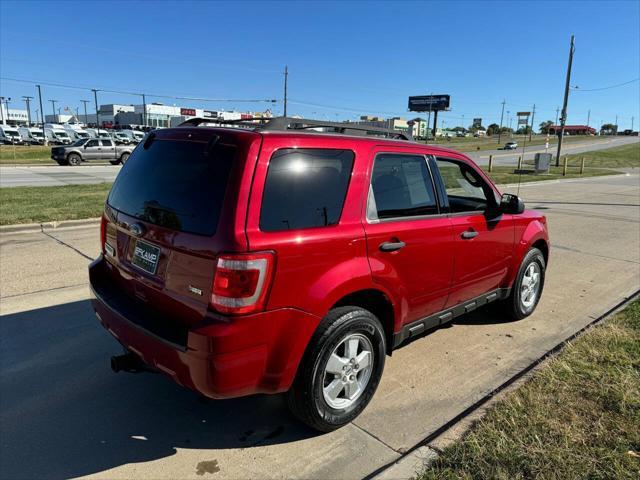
x,y
129,362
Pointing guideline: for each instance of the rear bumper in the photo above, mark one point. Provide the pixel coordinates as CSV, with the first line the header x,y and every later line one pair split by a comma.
x,y
221,357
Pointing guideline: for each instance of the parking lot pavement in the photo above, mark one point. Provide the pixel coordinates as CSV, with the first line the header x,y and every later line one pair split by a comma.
x,y
52,176
64,414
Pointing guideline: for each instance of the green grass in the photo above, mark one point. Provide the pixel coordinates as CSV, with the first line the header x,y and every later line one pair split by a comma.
x,y
504,174
618,157
577,417
45,204
25,155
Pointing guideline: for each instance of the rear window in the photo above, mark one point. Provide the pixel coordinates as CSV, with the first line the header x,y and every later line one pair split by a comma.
x,y
175,184
305,188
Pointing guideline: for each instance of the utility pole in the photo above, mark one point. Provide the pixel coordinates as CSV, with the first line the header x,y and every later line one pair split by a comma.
x,y
632,118
27,100
84,102
557,112
563,117
533,115
95,98
616,123
44,135
588,117
53,108
429,123
144,110
286,78
501,118
2,111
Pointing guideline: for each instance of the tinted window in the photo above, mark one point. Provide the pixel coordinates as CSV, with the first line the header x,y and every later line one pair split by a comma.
x,y
466,190
175,184
92,143
401,186
107,143
305,188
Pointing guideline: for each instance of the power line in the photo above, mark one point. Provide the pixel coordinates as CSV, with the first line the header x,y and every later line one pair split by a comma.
x,y
124,92
578,89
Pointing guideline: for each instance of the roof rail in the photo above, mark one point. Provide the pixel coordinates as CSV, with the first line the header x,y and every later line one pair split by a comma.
x,y
288,123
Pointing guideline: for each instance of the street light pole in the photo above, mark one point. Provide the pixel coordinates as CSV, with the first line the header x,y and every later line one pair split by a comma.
x,y
84,102
53,108
95,98
533,115
501,118
144,110
1,110
286,79
44,134
27,100
563,117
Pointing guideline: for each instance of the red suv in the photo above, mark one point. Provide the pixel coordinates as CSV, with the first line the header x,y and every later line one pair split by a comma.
x,y
284,259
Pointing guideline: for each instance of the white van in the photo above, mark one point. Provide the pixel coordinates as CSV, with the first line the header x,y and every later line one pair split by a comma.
x,y
134,135
32,136
56,134
75,132
97,133
9,135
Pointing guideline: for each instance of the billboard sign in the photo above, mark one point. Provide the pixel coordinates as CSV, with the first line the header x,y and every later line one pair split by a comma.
x,y
426,103
477,122
209,114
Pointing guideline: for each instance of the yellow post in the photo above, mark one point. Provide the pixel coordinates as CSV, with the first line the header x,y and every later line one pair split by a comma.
x,y
581,165
490,163
520,162
564,168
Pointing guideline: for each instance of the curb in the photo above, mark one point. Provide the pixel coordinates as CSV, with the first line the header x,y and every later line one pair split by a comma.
x,y
40,227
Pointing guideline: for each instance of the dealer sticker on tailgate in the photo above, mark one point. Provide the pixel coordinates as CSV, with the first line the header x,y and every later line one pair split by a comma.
x,y
145,256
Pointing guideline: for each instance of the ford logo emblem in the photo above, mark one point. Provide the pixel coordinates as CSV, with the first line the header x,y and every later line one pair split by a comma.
x,y
136,229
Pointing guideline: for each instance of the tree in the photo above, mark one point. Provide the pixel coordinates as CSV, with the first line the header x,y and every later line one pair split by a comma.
x,y
524,130
544,126
608,129
506,130
493,129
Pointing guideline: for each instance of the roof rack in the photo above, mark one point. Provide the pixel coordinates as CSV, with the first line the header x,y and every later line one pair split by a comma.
x,y
288,123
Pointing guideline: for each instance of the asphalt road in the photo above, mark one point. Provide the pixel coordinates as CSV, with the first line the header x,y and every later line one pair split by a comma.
x,y
64,414
53,175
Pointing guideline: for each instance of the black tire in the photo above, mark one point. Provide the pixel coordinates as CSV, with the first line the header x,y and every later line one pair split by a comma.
x,y
305,398
114,162
74,159
124,157
513,305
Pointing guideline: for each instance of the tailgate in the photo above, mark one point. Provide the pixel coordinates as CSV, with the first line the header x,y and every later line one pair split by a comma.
x,y
164,211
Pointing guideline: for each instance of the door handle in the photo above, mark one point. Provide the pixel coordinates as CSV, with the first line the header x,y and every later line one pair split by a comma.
x,y
469,234
391,246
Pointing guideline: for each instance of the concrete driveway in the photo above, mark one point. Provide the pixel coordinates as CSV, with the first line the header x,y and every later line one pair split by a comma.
x,y
64,414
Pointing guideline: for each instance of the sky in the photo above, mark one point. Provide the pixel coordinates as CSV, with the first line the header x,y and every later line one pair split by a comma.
x,y
345,59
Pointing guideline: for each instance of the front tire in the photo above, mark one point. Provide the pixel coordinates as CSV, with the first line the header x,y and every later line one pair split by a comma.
x,y
340,370
527,287
123,158
74,159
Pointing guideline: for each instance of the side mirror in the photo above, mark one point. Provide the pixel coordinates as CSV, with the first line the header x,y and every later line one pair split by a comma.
x,y
511,204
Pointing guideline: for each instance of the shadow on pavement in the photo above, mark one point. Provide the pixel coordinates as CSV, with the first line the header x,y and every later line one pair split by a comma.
x,y
63,413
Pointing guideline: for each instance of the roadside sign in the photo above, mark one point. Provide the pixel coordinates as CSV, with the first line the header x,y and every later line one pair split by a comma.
x,y
429,103
477,122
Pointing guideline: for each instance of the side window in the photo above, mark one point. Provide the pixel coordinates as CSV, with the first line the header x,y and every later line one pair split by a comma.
x,y
466,190
401,186
92,143
305,188
107,143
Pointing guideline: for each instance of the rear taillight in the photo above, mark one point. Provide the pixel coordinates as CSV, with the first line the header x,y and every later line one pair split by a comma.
x,y
241,282
103,232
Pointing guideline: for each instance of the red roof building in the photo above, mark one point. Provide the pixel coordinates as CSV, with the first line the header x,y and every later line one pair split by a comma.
x,y
573,130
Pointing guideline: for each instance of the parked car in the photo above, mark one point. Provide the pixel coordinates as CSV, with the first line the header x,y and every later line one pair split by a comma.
x,y
135,136
239,261
510,146
91,149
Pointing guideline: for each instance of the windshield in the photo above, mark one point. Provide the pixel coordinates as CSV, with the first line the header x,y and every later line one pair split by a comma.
x,y
83,134
62,134
175,184
79,143
9,131
36,133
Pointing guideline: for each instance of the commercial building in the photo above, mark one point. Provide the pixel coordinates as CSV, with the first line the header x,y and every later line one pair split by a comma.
x,y
572,130
13,116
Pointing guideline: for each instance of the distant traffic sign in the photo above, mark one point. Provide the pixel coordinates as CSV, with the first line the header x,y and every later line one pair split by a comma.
x,y
426,103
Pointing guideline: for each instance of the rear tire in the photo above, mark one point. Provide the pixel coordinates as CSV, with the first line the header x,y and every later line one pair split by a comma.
x,y
74,159
123,158
527,287
114,162
340,370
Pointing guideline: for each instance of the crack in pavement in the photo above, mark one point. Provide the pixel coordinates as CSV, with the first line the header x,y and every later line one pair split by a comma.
x,y
575,250
67,245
